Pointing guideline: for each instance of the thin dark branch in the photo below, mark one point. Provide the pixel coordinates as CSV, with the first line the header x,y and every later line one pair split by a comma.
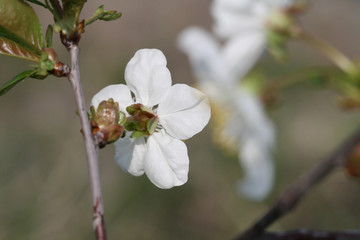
x,y
305,234
290,197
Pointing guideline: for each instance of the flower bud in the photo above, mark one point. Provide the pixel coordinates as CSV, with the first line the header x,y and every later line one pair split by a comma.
x,y
107,113
280,22
107,122
281,27
50,64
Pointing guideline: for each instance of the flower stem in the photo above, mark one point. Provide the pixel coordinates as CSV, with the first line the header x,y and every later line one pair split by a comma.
x,y
91,149
277,84
334,55
288,80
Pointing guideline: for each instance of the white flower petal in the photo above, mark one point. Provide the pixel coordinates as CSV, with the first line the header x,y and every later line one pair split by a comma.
x,y
202,50
241,52
233,4
119,92
184,112
257,123
204,54
256,161
230,25
167,161
147,76
281,4
130,155
233,17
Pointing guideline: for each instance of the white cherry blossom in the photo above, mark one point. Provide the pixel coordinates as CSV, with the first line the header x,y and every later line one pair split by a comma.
x,y
181,111
218,69
244,24
245,17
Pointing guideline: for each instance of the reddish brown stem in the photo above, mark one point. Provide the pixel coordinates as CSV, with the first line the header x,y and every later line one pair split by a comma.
x,y
91,150
290,197
304,234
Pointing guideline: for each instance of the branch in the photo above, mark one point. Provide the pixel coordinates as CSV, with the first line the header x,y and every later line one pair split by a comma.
x,y
304,234
334,55
91,150
290,197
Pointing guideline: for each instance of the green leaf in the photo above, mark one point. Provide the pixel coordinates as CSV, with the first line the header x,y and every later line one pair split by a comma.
x,y
56,9
49,36
105,15
18,78
37,3
71,12
20,30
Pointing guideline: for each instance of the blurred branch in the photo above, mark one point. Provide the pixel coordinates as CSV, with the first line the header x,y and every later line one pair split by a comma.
x,y
304,234
290,197
275,85
334,55
91,150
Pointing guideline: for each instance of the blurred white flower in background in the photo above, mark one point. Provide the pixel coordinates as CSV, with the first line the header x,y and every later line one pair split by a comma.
x,y
159,118
255,25
239,117
245,18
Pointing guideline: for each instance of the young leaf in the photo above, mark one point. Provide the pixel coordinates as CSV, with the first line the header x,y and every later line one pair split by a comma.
x,y
20,30
71,11
56,10
38,3
49,36
102,14
18,78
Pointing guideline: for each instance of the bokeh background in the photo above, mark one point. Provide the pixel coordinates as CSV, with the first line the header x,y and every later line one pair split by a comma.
x,y
44,187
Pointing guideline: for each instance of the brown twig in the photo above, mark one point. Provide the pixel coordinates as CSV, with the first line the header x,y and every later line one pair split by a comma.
x,y
91,150
333,54
305,234
290,197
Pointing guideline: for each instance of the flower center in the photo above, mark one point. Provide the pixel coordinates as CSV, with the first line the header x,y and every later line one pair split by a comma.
x,y
221,117
142,121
